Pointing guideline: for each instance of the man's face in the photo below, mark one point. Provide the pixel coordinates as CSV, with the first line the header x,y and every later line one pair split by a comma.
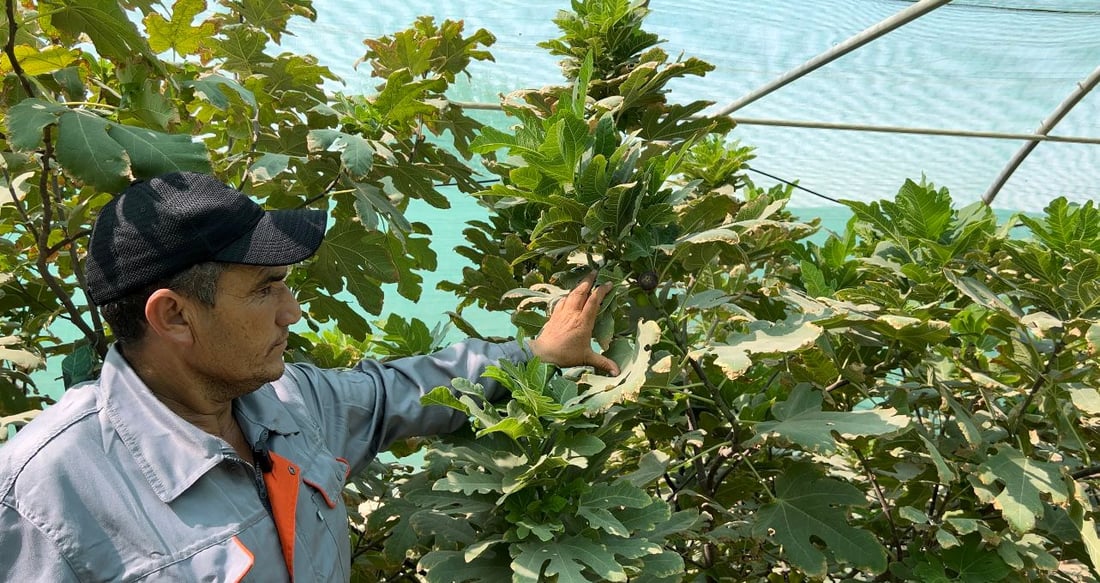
x,y
239,343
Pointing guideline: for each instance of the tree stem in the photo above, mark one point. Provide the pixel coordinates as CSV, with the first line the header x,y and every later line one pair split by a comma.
x,y
899,549
9,49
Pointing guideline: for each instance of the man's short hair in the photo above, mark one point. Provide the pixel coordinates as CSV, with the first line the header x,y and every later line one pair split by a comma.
x,y
126,315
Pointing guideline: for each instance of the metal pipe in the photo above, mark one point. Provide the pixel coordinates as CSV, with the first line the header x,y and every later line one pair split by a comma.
x,y
1048,124
852,43
824,125
478,105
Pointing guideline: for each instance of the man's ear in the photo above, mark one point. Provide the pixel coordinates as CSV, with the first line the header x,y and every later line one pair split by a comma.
x,y
168,317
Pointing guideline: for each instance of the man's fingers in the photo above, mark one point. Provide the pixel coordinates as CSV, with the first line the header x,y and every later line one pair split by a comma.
x,y
578,297
602,362
580,294
592,306
601,292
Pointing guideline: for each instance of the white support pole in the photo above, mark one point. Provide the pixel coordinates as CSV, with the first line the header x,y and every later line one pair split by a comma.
x,y
825,125
875,31
947,132
1048,124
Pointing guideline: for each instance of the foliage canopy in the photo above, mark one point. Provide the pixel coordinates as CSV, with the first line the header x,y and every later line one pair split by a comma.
x,y
911,399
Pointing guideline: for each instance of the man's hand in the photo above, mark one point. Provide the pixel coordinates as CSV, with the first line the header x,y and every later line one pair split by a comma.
x,y
566,338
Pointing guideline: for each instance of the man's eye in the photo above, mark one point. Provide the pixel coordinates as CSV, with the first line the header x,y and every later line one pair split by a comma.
x,y
265,291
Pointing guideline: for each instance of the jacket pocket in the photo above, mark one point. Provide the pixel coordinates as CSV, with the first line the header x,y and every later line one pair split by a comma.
x,y
228,561
328,549
327,478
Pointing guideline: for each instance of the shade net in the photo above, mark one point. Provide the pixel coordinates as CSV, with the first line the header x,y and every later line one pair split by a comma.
x,y
979,65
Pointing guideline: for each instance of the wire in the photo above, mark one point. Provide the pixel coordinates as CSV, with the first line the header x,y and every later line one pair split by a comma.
x,y
796,185
488,181
1038,9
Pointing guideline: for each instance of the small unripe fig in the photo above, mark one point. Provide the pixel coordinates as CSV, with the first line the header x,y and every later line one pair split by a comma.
x,y
648,280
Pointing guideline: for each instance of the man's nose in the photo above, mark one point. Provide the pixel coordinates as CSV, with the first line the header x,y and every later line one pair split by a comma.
x,y
289,312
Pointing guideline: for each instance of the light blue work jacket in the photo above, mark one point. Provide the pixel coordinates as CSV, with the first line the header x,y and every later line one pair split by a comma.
x,y
110,485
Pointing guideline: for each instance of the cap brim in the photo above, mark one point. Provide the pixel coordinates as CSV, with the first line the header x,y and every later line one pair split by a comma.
x,y
282,237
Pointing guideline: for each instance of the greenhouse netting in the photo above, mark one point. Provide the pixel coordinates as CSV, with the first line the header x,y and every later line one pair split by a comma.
x,y
949,90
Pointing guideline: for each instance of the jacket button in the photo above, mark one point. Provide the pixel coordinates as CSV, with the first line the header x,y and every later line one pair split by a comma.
x,y
292,470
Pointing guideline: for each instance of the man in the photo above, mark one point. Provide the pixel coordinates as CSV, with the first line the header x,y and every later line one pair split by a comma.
x,y
199,454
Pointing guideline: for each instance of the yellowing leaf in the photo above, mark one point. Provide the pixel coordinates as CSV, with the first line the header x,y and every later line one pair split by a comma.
x,y
1092,336
733,360
539,293
604,391
909,330
1086,399
764,337
1042,323
899,322
8,194
40,62
178,34
717,234
787,336
20,358
946,539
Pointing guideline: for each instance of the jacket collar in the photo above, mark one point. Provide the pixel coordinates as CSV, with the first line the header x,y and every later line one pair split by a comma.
x,y
171,452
